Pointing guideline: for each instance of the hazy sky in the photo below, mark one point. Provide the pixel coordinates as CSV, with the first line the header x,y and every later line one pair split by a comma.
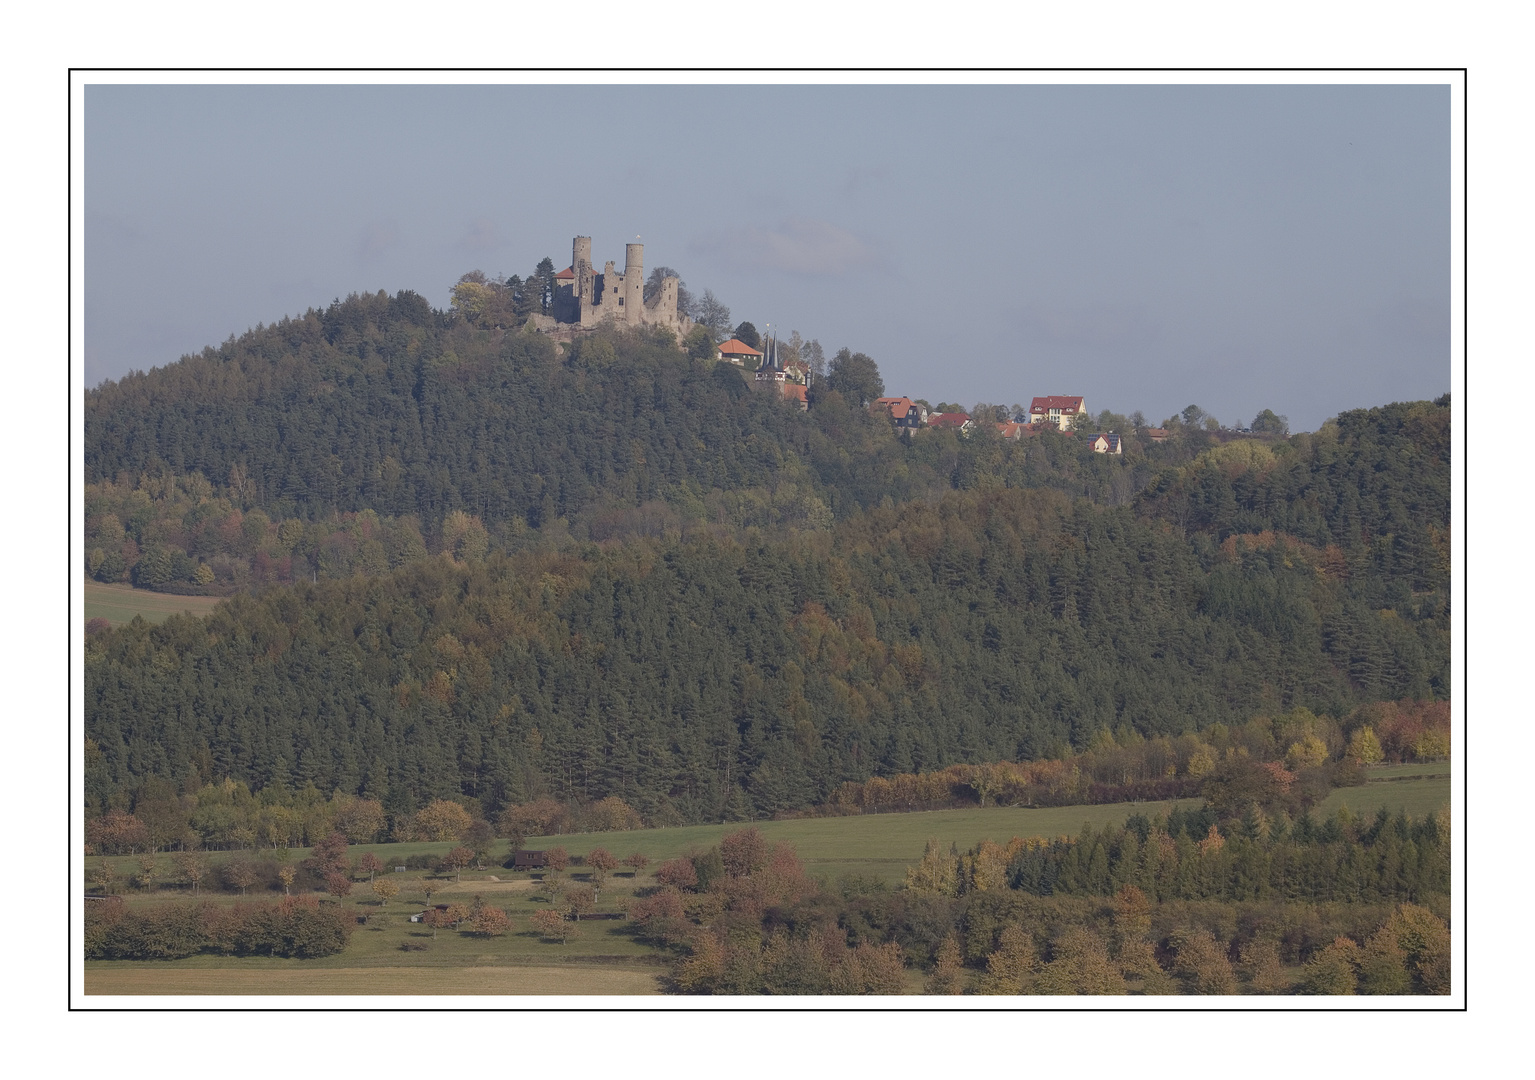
x,y
1240,247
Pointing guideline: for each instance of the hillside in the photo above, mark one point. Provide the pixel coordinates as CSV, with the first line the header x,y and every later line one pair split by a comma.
x,y
661,585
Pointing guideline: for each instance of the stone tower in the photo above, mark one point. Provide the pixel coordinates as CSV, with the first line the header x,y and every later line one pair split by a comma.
x,y
634,282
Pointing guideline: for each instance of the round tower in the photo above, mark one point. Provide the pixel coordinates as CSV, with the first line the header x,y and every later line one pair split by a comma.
x,y
580,252
634,282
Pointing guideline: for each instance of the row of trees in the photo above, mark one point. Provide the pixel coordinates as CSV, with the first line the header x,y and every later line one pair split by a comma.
x,y
734,934
296,926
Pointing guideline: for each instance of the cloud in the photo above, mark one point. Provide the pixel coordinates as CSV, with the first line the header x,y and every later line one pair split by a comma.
x,y
376,240
482,235
796,246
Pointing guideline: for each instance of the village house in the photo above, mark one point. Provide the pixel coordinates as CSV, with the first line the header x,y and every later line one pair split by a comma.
x,y
1105,443
1012,429
1056,410
791,379
956,421
1156,434
904,412
738,352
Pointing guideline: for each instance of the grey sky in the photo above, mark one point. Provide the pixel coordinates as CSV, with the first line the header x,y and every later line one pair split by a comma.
x,y
1242,247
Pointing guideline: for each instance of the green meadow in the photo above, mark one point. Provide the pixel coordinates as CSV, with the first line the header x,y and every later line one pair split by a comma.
x,y
118,604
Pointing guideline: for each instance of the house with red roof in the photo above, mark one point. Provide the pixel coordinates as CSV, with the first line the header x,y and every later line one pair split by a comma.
x,y
1056,410
738,352
1105,443
905,412
954,421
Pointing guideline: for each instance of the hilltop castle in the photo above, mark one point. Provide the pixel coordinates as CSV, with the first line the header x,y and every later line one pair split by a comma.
x,y
585,299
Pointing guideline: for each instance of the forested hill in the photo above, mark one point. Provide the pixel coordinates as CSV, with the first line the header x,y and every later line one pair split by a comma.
x,y
702,678
384,404
696,596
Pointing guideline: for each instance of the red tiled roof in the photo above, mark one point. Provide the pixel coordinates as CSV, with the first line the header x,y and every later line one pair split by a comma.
x,y
898,406
948,419
568,272
1056,401
735,347
794,390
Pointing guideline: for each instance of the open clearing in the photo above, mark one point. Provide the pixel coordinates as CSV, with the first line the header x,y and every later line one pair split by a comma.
x,y
118,604
872,845
1418,797
134,978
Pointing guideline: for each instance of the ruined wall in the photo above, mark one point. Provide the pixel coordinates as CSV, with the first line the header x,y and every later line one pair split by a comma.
x,y
594,298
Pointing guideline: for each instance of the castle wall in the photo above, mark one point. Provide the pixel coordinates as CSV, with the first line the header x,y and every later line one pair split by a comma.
x,y
595,298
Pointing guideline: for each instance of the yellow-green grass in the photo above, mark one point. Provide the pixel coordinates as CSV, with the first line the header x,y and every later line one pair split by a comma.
x,y
303,978
1374,773
1418,797
871,845
118,604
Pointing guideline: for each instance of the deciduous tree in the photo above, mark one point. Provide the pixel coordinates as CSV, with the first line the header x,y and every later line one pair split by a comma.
x,y
191,867
602,863
240,874
678,873
549,924
338,885
385,888
1334,970
442,820
948,975
581,899
456,860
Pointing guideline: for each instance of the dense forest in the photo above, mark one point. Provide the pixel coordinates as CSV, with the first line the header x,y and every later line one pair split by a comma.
x,y
466,566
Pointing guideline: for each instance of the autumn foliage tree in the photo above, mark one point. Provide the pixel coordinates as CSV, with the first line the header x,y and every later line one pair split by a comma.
x,y
441,820
191,867
602,863
581,899
385,889
948,973
329,855
456,860
549,924
240,874
338,885
636,863
678,873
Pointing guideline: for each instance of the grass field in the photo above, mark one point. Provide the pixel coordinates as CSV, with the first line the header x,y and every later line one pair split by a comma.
x,y
118,604
390,955
1417,796
871,845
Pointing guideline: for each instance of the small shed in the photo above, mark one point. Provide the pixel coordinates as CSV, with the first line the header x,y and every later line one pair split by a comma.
x,y
529,860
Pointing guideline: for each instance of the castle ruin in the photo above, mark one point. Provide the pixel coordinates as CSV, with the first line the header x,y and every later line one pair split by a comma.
x,y
585,299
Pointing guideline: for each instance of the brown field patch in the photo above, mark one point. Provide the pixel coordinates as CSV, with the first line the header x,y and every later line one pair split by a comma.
x,y
564,979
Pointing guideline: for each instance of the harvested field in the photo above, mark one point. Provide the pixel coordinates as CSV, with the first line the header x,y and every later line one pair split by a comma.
x,y
564,979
